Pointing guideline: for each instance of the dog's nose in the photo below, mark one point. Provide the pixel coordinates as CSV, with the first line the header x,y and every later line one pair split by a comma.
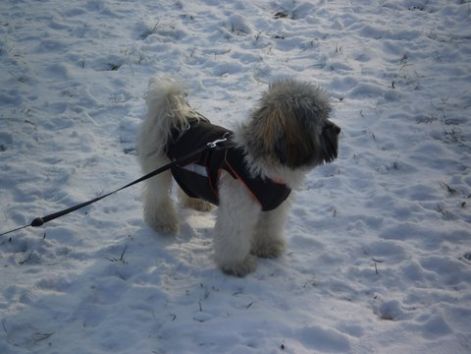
x,y
331,126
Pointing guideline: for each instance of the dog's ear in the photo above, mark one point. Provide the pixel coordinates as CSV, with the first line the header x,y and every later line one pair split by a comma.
x,y
270,135
296,145
263,131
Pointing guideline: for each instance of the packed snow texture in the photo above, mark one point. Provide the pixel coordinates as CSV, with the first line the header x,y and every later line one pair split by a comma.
x,y
379,242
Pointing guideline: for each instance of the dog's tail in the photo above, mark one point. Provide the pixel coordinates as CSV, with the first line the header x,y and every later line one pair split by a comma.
x,y
167,109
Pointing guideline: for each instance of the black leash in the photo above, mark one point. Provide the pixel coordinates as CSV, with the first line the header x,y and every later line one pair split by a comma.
x,y
39,221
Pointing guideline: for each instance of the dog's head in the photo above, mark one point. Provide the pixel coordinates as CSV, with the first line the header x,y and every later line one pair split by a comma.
x,y
290,127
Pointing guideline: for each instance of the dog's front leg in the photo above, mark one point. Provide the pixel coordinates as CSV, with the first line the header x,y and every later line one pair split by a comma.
x,y
237,217
268,239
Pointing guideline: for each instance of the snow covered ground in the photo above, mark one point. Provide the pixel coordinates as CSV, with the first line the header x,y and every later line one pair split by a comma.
x,y
379,242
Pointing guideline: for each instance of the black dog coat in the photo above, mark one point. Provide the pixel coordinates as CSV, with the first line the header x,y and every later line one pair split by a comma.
x,y
199,175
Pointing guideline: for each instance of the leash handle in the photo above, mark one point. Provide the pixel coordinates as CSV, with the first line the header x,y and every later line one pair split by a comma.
x,y
39,221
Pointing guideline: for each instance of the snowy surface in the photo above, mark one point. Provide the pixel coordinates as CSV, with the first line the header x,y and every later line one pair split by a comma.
x,y
379,242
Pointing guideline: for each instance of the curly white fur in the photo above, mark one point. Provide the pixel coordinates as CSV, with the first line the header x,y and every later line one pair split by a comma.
x,y
242,231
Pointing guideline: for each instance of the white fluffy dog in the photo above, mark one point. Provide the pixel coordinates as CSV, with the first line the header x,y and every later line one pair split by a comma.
x,y
250,176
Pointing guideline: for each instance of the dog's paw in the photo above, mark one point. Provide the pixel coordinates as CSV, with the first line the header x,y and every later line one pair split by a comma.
x,y
167,226
268,249
241,269
196,204
161,217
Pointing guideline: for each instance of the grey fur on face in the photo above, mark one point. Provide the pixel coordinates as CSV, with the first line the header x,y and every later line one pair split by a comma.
x,y
290,126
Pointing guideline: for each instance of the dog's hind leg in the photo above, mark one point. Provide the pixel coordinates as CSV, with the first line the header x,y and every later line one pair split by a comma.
x,y
159,208
237,217
193,203
268,238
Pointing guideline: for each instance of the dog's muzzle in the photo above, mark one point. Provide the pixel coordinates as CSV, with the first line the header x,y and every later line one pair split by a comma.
x,y
330,134
331,127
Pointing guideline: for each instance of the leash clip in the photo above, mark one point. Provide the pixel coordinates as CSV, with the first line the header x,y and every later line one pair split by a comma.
x,y
213,144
